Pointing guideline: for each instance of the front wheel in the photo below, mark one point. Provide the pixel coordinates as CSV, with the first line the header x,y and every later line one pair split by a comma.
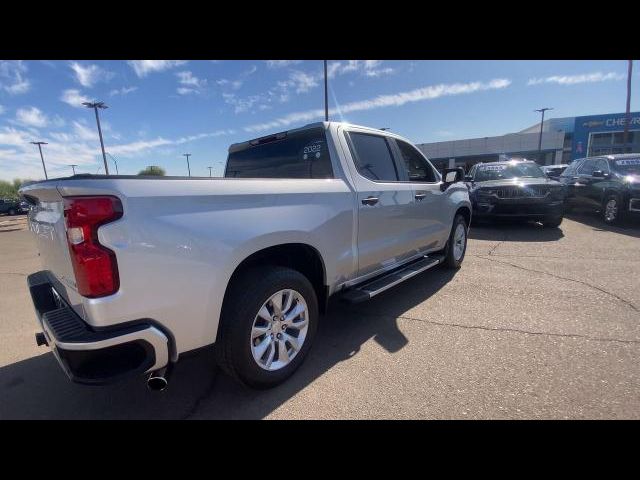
x,y
552,222
268,324
457,243
611,209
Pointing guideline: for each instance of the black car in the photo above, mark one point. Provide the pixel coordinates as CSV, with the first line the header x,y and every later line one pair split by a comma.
x,y
13,207
515,189
609,184
554,171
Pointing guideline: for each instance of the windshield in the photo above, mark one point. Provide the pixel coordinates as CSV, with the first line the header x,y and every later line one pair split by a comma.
x,y
628,166
507,171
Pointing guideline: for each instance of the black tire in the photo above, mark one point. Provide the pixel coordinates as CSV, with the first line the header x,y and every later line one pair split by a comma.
x,y
552,222
618,215
246,296
12,211
449,260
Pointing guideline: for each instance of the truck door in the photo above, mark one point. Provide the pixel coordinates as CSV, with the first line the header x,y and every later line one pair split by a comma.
x,y
583,186
430,211
386,221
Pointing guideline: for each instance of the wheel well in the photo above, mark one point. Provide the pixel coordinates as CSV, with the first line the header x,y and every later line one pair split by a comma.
x,y
297,256
466,213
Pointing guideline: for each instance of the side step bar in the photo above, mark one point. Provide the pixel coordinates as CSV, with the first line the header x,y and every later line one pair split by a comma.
x,y
371,288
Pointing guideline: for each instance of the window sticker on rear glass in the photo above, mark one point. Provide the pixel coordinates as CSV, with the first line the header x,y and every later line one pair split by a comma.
x,y
630,161
493,168
312,150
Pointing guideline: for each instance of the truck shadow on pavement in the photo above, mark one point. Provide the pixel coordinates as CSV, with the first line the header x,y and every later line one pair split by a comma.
x,y
37,388
515,231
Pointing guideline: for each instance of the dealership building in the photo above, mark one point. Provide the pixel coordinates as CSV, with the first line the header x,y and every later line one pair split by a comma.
x,y
563,140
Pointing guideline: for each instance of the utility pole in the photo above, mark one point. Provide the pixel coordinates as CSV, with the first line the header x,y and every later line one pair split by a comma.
x,y
41,157
209,171
628,113
96,106
541,110
326,95
188,167
74,168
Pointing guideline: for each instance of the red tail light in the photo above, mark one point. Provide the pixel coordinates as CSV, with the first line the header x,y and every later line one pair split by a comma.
x,y
94,265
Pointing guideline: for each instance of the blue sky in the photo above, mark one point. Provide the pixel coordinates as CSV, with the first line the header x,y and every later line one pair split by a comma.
x,y
160,109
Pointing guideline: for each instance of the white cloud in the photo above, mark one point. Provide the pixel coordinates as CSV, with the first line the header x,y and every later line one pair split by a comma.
x,y
281,63
393,100
74,98
144,67
577,79
12,77
31,117
302,82
89,75
190,83
2,110
82,132
122,91
368,68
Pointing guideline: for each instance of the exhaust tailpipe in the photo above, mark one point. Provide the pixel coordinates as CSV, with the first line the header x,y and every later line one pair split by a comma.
x,y
159,379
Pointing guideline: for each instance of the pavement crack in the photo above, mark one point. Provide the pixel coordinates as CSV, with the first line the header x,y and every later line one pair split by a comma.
x,y
560,277
201,398
505,238
505,329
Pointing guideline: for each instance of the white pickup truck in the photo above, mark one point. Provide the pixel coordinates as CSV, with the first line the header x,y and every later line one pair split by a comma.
x,y
139,270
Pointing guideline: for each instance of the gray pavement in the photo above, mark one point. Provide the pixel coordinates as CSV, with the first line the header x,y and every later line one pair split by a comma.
x,y
537,324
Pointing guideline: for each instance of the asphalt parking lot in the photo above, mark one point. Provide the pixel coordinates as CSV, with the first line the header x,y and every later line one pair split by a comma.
x,y
536,324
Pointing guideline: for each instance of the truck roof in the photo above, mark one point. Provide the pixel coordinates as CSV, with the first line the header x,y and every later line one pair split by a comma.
x,y
234,147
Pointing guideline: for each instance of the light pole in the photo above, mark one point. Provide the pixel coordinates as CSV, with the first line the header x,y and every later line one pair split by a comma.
x,y
41,157
384,128
541,110
73,166
326,97
628,112
188,167
96,106
209,171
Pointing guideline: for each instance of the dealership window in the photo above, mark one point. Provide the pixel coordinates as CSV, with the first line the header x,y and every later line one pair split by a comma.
x,y
607,143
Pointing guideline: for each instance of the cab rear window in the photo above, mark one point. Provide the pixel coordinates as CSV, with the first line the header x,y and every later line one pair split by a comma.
x,y
301,154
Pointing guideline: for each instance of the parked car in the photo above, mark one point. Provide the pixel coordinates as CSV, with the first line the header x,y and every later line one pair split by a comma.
x,y
554,171
609,184
139,271
515,189
13,207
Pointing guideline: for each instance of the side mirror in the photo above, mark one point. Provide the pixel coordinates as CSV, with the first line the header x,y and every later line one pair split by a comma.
x,y
451,175
599,174
468,178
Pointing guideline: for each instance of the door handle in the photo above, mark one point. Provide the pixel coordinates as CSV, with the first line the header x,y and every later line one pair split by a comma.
x,y
420,196
370,201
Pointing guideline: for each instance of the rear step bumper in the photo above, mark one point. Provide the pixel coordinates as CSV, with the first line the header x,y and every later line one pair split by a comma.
x,y
95,356
371,288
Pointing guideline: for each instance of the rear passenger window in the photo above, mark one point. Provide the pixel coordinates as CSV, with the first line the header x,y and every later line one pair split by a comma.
x,y
372,157
587,167
301,154
418,169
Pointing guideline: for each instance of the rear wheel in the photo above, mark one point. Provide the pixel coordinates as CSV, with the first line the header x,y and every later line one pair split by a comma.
x,y
12,211
268,324
611,209
457,244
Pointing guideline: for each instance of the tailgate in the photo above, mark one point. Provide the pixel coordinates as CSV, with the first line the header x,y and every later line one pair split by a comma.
x,y
47,224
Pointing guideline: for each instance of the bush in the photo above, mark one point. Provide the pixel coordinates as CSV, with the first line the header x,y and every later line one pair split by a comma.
x,y
10,189
153,170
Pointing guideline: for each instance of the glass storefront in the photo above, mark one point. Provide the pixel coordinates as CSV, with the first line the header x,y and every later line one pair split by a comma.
x,y
607,143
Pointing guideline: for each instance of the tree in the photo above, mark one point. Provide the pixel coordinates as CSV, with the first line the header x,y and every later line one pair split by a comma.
x,y
10,189
152,170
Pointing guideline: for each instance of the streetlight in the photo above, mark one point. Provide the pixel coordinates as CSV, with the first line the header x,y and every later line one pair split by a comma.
x,y
384,128
541,110
188,167
73,166
209,171
326,97
628,111
96,106
41,157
